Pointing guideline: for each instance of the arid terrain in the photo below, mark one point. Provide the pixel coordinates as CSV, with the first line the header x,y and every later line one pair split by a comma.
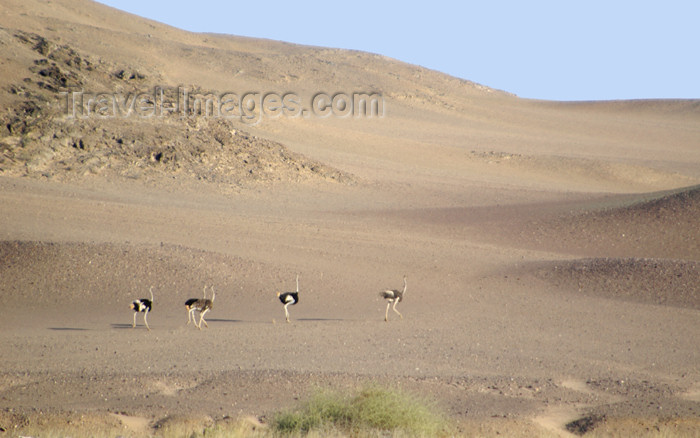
x,y
552,250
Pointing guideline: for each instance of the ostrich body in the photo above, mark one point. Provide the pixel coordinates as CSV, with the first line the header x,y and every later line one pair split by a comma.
x,y
142,305
289,298
201,305
393,296
191,308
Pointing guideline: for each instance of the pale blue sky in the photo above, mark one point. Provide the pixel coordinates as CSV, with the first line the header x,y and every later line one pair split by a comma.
x,y
558,50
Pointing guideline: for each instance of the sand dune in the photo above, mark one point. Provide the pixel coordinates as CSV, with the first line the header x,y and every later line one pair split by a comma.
x,y
655,225
551,248
654,281
433,123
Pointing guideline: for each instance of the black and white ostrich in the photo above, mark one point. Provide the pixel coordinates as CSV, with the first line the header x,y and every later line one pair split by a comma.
x,y
142,305
188,305
289,298
393,296
201,305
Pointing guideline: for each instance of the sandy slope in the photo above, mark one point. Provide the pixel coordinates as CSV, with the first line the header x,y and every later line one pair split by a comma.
x,y
551,249
482,332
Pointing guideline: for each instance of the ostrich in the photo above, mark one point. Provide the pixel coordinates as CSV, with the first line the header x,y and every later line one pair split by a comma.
x,y
142,305
288,298
201,305
393,296
188,305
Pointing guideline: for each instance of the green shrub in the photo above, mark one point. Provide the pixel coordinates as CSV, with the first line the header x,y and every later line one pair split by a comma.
x,y
372,409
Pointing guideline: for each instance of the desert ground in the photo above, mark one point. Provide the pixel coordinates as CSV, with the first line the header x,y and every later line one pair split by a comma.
x,y
552,250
